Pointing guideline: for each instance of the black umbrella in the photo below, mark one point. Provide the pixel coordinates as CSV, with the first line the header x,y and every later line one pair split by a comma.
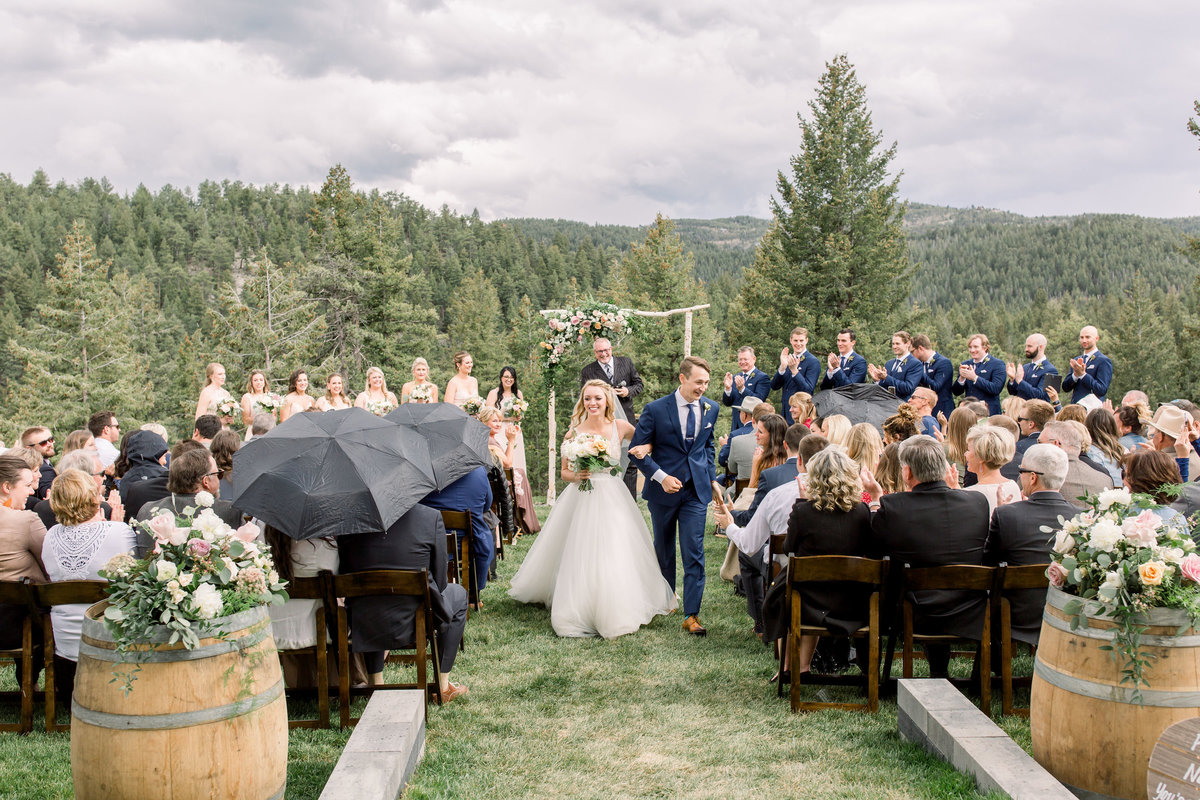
x,y
458,443
332,473
859,402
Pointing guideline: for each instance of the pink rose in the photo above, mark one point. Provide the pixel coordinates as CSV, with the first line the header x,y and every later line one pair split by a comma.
x,y
1057,575
163,528
198,547
247,533
1190,567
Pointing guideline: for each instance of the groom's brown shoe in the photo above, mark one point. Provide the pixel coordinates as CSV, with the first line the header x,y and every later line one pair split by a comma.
x,y
692,625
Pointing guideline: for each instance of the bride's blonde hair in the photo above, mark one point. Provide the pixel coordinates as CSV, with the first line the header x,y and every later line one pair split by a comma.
x,y
579,413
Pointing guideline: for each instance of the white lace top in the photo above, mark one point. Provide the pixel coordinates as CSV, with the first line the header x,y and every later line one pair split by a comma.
x,y
78,553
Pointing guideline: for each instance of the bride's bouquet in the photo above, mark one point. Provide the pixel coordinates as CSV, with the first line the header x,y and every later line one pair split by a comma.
x,y
514,408
590,452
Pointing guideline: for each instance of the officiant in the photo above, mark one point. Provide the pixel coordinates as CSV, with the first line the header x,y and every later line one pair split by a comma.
x,y
618,372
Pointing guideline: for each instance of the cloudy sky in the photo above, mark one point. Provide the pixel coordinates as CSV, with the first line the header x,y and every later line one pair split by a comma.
x,y
606,110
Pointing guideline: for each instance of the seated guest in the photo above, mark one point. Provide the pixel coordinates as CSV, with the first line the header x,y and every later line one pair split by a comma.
x,y
1131,420
223,446
1034,417
831,520
81,439
1153,472
106,432
192,471
836,429
263,424
1013,407
84,461
962,419
743,446
21,535
42,440
932,525
989,447
144,452
76,549
33,460
472,492
903,424
207,426
745,409
922,403
1081,479
800,406
1016,534
377,624
888,473
1166,431
1106,446
144,492
864,444
772,465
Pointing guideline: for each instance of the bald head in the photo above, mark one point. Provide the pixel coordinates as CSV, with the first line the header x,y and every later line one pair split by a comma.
x,y
1088,336
1035,346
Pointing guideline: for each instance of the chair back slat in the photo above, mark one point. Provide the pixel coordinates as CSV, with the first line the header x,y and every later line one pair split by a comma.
x,y
306,588
951,576
852,569
67,592
379,582
456,520
1029,576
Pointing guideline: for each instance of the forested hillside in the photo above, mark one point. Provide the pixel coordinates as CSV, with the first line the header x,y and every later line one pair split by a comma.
x,y
286,278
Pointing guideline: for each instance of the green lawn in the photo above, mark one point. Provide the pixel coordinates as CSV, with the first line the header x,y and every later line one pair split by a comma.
x,y
655,714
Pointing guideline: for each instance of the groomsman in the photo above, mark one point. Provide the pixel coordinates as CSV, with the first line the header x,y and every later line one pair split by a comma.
x,y
903,373
845,366
1092,372
981,376
939,374
799,371
1026,381
750,381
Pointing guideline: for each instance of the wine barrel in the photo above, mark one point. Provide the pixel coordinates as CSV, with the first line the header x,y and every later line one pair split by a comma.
x,y
204,723
1087,729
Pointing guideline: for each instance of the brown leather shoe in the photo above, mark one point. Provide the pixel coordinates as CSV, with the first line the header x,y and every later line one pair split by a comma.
x,y
455,691
692,625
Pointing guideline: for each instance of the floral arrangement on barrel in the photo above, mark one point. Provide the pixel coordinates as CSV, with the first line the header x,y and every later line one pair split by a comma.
x,y
1121,559
589,452
201,569
514,408
227,407
570,326
269,404
473,405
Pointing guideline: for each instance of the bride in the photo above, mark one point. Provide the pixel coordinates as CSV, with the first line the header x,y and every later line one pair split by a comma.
x,y
593,565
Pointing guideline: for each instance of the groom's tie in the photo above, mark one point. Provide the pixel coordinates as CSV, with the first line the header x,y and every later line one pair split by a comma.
x,y
689,435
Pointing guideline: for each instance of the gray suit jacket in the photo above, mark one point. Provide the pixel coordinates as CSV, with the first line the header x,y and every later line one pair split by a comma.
x,y
1081,480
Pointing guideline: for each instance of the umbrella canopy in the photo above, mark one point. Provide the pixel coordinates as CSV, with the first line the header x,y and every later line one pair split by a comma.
x,y
332,473
859,402
458,443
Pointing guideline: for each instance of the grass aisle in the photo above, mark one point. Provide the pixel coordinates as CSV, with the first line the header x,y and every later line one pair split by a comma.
x,y
654,714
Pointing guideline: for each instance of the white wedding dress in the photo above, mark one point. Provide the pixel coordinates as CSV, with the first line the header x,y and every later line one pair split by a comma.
x,y
593,565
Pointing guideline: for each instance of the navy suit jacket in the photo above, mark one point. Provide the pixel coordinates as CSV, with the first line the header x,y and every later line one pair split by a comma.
x,y
939,376
808,372
1097,375
991,375
768,479
904,378
1034,376
659,425
855,371
472,492
757,385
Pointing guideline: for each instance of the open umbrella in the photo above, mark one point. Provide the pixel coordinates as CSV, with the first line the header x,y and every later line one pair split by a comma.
x,y
332,473
458,443
859,402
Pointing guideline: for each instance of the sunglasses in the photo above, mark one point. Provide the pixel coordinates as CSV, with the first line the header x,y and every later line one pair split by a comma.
x,y
44,442
1024,471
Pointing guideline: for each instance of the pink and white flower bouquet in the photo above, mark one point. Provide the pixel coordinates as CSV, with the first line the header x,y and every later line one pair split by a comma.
x,y
473,405
514,408
226,407
200,569
269,403
379,407
590,452
421,393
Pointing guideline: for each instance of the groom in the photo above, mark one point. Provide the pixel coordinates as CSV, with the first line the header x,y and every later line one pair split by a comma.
x,y
679,474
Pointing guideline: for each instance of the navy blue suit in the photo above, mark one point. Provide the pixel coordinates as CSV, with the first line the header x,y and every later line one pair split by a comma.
x,y
472,492
1034,376
683,511
904,375
853,370
1097,375
808,372
758,384
939,376
990,377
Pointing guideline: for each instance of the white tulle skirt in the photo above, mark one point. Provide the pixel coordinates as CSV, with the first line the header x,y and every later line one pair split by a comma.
x,y
593,565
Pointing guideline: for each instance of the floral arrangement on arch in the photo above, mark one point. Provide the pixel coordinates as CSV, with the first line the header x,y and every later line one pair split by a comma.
x,y
569,327
1121,559
200,569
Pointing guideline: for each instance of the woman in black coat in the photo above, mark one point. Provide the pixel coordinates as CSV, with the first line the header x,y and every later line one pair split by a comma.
x,y
830,519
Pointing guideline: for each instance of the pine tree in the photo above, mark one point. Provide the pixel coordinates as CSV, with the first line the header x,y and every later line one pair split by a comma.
x,y
473,323
1140,332
836,255
83,351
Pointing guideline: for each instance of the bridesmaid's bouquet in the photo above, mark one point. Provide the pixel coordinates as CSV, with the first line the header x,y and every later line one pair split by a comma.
x,y
590,452
227,407
473,405
514,408
421,393
269,403
379,407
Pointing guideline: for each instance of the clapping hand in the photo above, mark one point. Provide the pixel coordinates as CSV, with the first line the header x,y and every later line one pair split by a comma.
x,y
787,361
728,381
511,431
876,373
740,382
834,362
1052,393
1016,373
1187,433
952,476
1077,367
114,502
1005,495
967,372
941,418
870,485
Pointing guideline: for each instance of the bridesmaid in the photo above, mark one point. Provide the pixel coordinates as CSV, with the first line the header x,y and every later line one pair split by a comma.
x,y
375,397
462,386
256,390
213,391
297,398
420,373
507,387
334,397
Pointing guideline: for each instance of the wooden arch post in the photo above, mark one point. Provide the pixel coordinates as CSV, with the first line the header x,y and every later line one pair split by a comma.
x,y
552,427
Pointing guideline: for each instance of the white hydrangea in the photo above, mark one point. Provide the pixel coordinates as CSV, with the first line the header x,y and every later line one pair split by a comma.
x,y
1110,496
204,499
210,525
207,601
1105,535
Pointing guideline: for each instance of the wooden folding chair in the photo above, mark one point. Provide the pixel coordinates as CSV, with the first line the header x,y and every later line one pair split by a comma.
x,y
960,577
61,593
775,548
871,577
388,583
512,491
460,550
738,485
313,589
1008,580
19,594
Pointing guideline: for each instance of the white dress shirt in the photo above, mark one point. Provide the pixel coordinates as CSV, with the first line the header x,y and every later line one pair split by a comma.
x,y
770,517
681,406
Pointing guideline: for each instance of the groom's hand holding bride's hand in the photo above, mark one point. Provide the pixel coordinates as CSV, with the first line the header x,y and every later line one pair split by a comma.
x,y
671,484
640,451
